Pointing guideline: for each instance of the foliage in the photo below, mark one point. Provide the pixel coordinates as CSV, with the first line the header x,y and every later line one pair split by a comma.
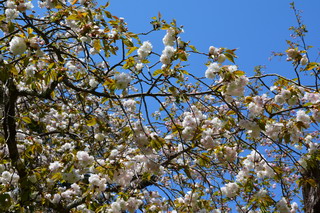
x,y
81,132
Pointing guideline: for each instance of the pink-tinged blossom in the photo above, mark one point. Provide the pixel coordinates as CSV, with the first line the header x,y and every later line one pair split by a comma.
x,y
84,158
236,87
316,115
213,51
312,97
274,130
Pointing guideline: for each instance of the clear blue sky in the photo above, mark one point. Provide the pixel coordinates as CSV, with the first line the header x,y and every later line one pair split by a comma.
x,y
256,27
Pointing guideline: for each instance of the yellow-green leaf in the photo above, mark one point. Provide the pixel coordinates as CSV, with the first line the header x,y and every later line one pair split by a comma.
x,y
158,72
97,45
92,122
239,73
193,48
131,49
26,119
311,66
30,30
73,17
14,71
229,57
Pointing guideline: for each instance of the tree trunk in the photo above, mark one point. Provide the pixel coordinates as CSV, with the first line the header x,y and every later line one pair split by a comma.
x,y
9,127
311,189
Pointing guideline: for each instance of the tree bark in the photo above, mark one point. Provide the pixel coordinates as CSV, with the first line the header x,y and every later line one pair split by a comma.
x,y
311,189
9,128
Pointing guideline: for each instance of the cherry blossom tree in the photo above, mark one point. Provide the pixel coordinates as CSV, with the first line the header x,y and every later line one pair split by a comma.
x,y
95,120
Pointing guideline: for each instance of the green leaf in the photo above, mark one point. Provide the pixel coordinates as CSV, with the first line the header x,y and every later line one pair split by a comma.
x,y
27,120
130,62
239,73
97,45
193,48
311,66
229,57
157,72
131,50
91,122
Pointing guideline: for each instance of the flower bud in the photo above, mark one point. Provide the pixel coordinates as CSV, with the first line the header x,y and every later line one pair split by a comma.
x,y
292,53
221,58
212,50
304,60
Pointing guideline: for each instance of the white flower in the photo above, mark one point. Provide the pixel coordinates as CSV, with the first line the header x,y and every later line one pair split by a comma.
x,y
139,66
115,207
312,97
55,166
294,207
169,38
17,45
93,83
130,104
56,198
279,99
11,14
236,87
122,80
303,117
230,189
255,109
6,176
144,50
30,70
84,158
167,53
232,68
212,70
286,94
94,179
11,4
282,206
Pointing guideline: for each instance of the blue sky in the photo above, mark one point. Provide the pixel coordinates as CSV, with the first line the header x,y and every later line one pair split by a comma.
x,y
255,27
